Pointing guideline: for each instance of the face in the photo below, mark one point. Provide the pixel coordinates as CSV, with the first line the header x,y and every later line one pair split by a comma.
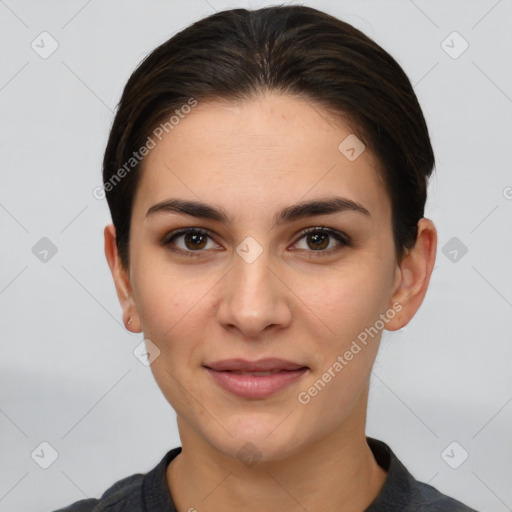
x,y
263,279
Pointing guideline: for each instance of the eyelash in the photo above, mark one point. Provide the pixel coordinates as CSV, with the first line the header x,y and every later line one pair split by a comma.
x,y
344,240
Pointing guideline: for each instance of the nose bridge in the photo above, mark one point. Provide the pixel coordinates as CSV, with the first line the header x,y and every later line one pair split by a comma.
x,y
252,280
253,298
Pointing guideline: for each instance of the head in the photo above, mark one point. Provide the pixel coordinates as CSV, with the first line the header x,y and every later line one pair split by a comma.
x,y
296,148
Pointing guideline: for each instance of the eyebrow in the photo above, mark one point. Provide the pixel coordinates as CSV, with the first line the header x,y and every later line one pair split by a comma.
x,y
289,214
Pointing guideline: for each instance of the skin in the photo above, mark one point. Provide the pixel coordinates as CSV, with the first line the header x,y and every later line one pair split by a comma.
x,y
252,159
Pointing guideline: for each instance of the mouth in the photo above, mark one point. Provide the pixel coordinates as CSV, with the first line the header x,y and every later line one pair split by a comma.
x,y
269,364
259,374
255,379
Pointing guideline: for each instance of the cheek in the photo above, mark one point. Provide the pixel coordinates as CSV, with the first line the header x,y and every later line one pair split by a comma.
x,y
346,302
168,298
346,349
172,311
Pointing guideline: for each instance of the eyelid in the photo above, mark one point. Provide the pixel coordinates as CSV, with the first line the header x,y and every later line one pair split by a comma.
x,y
343,239
339,235
169,237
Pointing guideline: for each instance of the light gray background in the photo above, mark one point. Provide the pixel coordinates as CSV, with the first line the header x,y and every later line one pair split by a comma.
x,y
68,374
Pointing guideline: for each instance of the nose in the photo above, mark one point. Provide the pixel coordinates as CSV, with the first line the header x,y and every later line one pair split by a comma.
x,y
254,298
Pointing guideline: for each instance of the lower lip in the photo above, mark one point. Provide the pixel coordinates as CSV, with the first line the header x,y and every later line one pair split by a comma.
x,y
252,386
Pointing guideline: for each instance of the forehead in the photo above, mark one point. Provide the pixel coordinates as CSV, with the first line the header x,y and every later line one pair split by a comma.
x,y
254,156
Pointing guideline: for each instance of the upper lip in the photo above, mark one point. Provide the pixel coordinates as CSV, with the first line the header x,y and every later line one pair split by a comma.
x,y
261,365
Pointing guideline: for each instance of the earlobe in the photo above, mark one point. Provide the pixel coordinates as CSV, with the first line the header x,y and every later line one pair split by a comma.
x,y
121,280
413,275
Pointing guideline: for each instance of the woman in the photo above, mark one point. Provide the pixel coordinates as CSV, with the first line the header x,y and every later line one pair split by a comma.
x,y
266,173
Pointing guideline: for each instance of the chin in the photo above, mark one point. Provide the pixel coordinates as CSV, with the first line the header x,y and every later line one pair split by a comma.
x,y
257,441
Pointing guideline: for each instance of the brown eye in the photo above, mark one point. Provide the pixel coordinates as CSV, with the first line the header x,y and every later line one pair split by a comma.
x,y
194,240
319,240
188,241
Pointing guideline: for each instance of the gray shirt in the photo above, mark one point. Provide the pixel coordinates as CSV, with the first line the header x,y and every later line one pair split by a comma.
x,y
149,492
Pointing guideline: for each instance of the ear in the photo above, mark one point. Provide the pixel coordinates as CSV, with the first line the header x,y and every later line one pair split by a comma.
x,y
413,276
121,280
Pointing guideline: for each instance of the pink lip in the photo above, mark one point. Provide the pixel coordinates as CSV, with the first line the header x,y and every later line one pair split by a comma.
x,y
254,386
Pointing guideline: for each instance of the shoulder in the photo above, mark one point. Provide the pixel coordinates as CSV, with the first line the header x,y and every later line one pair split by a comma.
x,y
131,493
401,492
125,494
429,499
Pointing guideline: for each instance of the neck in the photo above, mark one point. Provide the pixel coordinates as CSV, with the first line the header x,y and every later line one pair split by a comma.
x,y
336,473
